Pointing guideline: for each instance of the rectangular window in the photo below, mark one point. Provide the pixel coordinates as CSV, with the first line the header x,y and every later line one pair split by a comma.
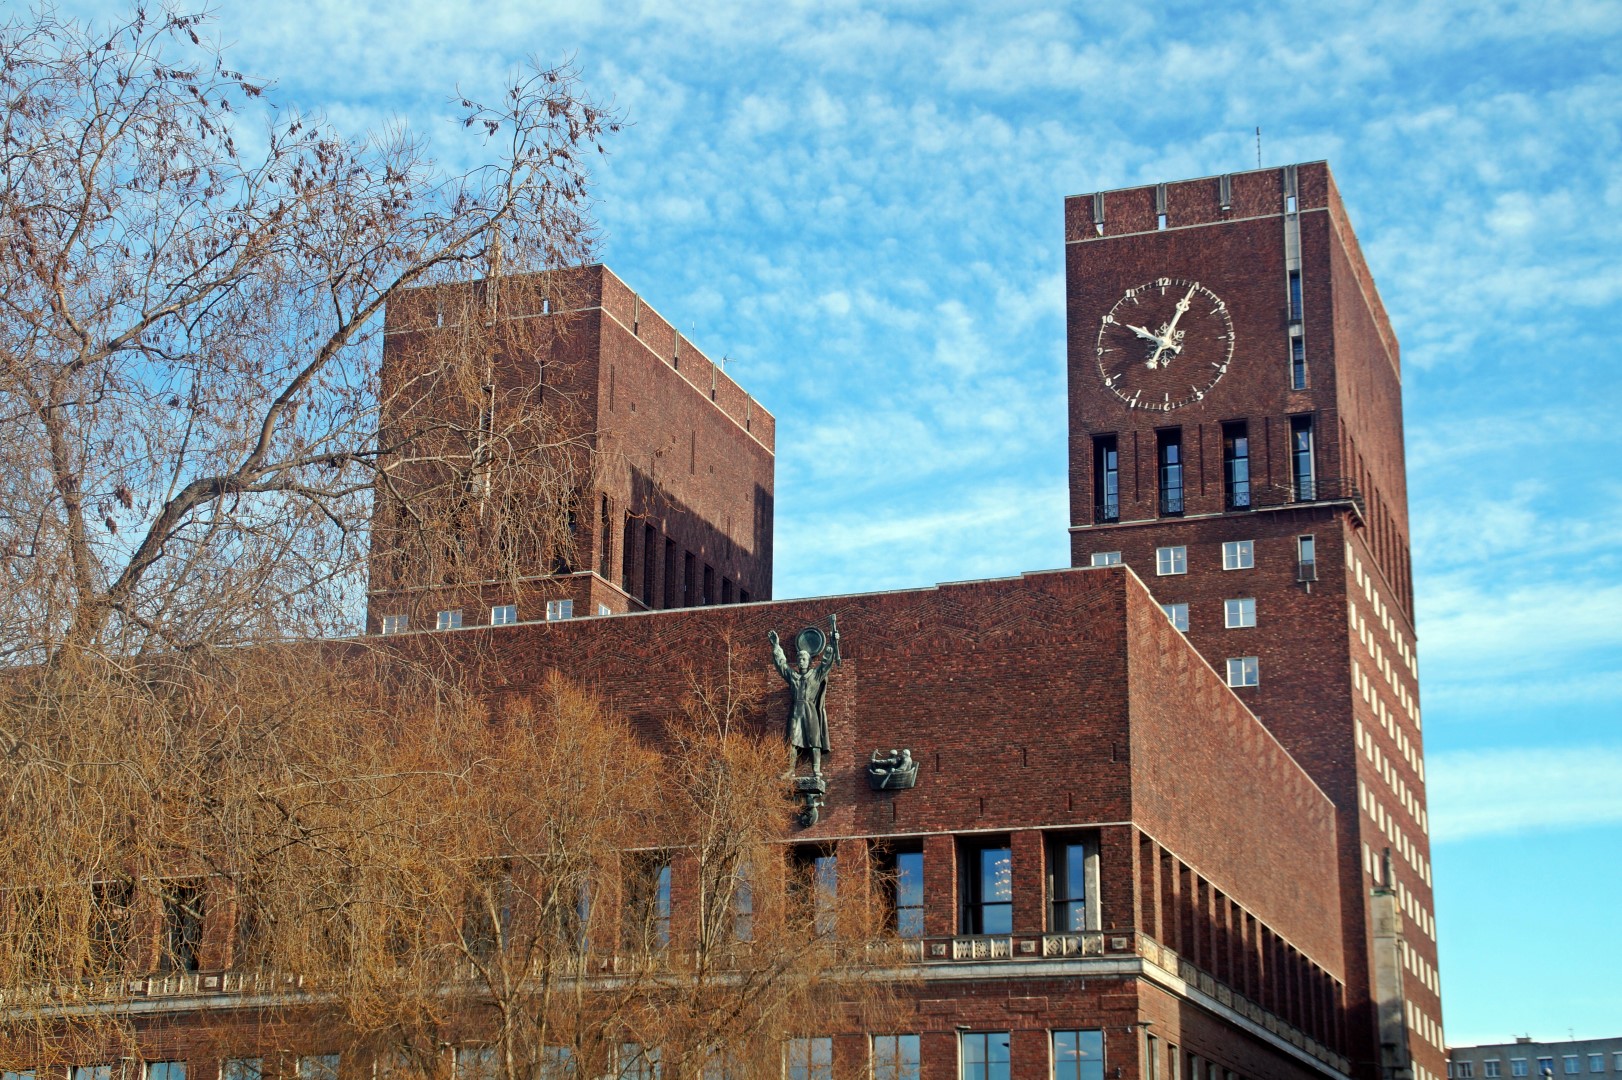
x,y
92,1072
1306,556
809,1059
1238,555
1235,466
904,877
559,609
1169,447
1242,671
984,1055
1490,1069
1463,1070
1078,1055
182,933
242,1069
1106,479
1239,613
1596,1063
1067,886
896,1057
988,889
1151,1057
1171,560
504,615
448,620
646,910
1178,614
1569,1061
17,1074
604,609
166,1070
1298,361
1301,469
689,581
815,885
638,1062
743,905
557,1063
318,1067
476,1063
1105,558
1545,1066
1517,1066
394,624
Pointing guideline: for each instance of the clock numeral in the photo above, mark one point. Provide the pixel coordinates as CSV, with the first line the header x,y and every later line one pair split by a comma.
x,y
1161,283
1109,318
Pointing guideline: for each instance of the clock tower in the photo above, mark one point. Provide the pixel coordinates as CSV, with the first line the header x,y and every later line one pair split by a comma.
x,y
1236,438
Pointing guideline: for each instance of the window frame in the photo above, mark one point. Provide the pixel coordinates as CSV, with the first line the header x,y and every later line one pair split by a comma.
x,y
906,920
503,614
1236,611
1236,489
448,619
817,1052
559,610
393,624
973,906
1238,554
1171,560
1086,1056
1173,611
1249,671
1061,850
1106,478
1170,471
903,1061
988,1064
1303,459
1104,558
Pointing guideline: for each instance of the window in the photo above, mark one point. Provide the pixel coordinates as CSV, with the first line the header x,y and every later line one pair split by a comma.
x,y
318,1067
1596,1063
604,609
988,889
557,1063
1239,613
743,904
1517,1066
182,934
1067,886
242,1069
1298,361
166,1070
1295,296
1304,489
1078,1055
1178,614
809,1059
1235,466
1489,1068
394,624
1569,1061
1238,554
504,615
904,877
1545,1066
984,1055
1306,556
1106,558
1242,671
646,907
895,1057
1169,447
638,1062
1171,560
1151,1057
559,609
1463,1070
448,620
815,884
1616,1061
92,1072
1106,479
28,1074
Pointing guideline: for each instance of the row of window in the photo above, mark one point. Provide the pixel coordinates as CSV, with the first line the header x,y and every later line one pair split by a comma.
x,y
1169,468
982,1055
1570,1065
500,615
1237,614
1169,561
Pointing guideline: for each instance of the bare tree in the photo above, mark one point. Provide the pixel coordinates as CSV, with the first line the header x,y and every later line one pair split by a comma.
x,y
191,300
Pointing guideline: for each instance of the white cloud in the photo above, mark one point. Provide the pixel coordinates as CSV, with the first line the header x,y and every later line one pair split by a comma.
x,y
1478,793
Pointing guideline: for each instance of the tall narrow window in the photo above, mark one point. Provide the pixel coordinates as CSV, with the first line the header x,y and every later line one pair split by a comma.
x,y
182,929
606,541
689,581
984,1055
1170,449
650,548
646,908
1106,479
904,880
895,1057
1307,559
809,1059
1067,886
1298,362
1301,458
1236,466
670,573
988,889
815,884
1295,296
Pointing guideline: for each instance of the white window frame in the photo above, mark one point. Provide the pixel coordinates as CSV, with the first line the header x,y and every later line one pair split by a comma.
x,y
394,624
1105,558
1492,1068
604,609
449,619
1517,1067
1247,673
1239,555
1178,614
503,614
558,610
1572,1064
1596,1063
899,1062
1171,560
1463,1070
1239,613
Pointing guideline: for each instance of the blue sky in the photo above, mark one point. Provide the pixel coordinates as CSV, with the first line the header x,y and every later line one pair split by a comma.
x,y
861,207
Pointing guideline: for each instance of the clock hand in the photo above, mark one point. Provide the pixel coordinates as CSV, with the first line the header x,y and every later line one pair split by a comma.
x,y
1168,339
1142,333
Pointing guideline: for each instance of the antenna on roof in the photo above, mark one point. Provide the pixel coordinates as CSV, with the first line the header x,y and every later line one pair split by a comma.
x,y
1258,147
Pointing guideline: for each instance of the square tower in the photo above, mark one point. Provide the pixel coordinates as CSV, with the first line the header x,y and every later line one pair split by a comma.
x,y
557,449
1236,438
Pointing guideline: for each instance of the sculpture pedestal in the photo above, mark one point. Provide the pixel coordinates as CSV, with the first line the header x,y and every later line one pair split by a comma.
x,y
811,791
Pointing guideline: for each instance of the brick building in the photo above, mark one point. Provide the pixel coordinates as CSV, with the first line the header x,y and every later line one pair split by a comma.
x,y
1125,855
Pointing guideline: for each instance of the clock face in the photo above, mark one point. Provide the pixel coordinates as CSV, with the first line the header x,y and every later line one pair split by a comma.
x,y
1164,344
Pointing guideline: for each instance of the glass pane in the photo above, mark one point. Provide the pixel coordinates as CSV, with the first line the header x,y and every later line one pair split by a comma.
x,y
996,875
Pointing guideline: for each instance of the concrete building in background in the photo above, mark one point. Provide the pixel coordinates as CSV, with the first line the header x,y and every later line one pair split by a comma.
x,y
1524,1059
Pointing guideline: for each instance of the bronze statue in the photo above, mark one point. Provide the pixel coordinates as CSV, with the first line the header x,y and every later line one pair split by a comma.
x,y
808,718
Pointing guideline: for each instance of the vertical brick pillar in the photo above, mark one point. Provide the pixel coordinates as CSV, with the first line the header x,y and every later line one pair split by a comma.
x,y
1030,881
1118,884
1149,886
940,887
685,901
857,909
